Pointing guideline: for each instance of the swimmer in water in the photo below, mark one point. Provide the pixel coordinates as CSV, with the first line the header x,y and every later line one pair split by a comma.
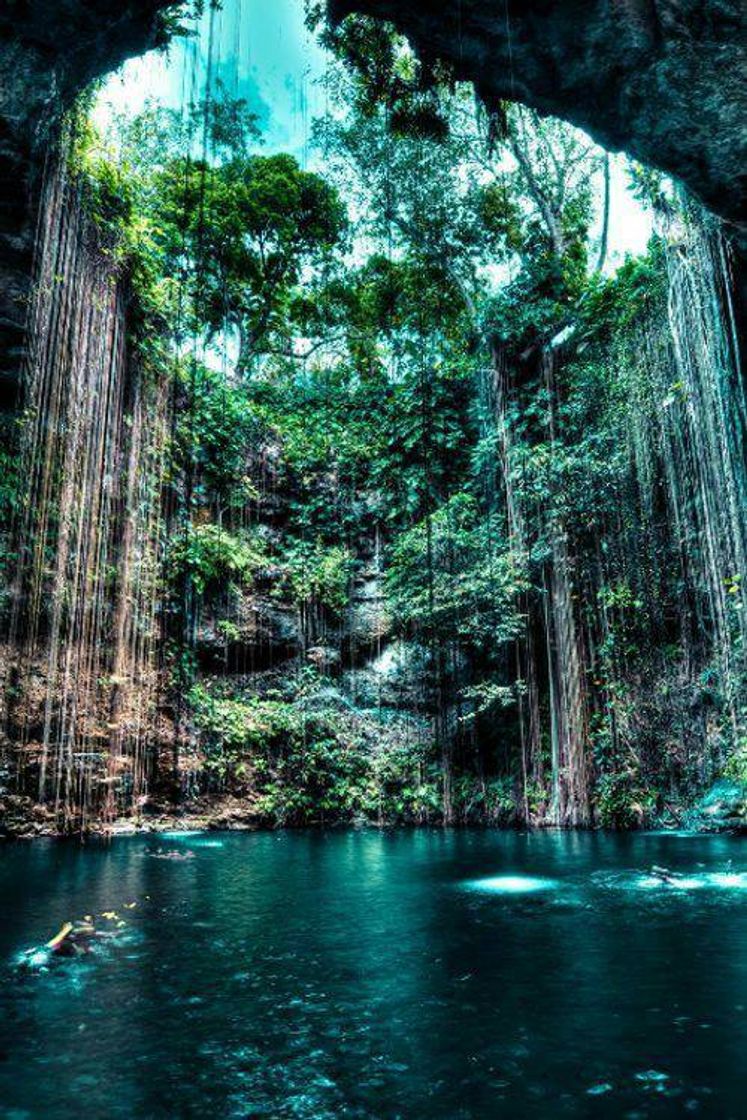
x,y
176,857
664,875
74,939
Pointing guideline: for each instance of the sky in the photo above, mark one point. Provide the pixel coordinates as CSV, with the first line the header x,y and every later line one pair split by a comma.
x,y
261,51
264,53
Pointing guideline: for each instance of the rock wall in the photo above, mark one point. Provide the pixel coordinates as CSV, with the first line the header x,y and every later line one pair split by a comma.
x,y
49,52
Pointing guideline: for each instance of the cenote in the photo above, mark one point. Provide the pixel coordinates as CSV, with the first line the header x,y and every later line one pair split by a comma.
x,y
373,559
360,974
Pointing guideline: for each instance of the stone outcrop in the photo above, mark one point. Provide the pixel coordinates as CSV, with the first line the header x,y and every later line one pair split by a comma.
x,y
50,50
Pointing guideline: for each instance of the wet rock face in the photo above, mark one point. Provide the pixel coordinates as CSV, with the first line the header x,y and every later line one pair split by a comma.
x,y
724,808
665,80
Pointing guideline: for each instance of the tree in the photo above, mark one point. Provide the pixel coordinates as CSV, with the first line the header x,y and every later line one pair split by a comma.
x,y
243,233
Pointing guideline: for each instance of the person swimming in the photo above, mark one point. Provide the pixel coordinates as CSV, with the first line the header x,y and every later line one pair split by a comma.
x,y
664,875
175,857
72,940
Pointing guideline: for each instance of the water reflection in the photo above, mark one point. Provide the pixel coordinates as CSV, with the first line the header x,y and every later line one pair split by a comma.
x,y
512,884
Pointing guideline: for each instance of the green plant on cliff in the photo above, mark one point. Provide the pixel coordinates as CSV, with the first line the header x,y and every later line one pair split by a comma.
x,y
313,573
452,575
209,554
624,801
300,764
214,435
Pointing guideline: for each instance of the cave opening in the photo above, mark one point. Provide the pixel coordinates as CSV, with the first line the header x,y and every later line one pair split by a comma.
x,y
379,453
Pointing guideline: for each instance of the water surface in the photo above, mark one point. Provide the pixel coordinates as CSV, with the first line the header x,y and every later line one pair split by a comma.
x,y
356,974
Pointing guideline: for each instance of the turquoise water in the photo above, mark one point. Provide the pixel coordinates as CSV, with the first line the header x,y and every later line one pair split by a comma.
x,y
356,974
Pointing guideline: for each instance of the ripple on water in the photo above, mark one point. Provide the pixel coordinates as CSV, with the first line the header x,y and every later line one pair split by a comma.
x,y
674,883
675,833
728,880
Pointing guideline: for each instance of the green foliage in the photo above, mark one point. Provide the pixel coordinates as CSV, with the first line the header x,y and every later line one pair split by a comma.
x,y
228,630
215,431
234,726
11,488
623,801
736,765
478,801
107,188
208,554
451,575
247,226
11,499
501,216
301,765
313,573
385,74
488,696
